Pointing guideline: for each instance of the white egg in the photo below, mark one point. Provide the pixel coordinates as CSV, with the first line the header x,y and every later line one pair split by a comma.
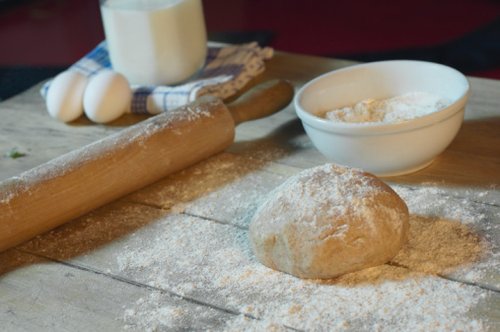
x,y
65,96
107,97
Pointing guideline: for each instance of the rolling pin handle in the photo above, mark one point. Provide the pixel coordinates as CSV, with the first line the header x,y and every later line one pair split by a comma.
x,y
261,101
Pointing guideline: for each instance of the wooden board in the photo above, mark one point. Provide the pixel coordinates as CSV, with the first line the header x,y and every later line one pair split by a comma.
x,y
44,295
175,255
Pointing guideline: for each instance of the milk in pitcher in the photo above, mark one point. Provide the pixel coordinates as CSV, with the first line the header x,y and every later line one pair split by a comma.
x,y
155,42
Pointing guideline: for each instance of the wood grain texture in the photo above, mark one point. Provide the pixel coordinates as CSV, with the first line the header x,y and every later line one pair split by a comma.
x,y
43,295
89,177
84,179
129,249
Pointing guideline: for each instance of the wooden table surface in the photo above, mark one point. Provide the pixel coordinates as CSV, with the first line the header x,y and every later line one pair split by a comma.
x,y
175,255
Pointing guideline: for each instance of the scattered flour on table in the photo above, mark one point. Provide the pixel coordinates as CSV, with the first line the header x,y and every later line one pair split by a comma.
x,y
392,110
465,213
153,314
161,315
213,263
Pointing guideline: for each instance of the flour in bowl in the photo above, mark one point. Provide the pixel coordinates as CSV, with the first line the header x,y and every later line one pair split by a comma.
x,y
392,110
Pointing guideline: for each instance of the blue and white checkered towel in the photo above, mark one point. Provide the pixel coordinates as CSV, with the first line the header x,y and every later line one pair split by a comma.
x,y
227,69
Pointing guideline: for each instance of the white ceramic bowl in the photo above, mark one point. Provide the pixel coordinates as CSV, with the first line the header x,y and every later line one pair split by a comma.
x,y
383,149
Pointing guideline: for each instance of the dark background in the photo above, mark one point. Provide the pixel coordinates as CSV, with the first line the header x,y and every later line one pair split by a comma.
x,y
39,38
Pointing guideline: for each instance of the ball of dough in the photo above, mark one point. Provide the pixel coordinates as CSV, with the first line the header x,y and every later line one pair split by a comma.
x,y
327,221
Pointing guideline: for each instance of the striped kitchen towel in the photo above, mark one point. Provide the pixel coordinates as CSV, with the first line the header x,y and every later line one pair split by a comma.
x,y
227,69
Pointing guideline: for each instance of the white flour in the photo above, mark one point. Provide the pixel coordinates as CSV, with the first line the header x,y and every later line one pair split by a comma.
x,y
392,110
209,260
213,262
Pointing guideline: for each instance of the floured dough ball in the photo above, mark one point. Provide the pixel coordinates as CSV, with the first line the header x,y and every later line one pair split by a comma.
x,y
327,221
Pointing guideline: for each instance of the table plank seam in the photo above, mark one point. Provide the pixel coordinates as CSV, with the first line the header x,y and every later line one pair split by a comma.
x,y
488,288
216,221
442,194
159,207
485,287
149,287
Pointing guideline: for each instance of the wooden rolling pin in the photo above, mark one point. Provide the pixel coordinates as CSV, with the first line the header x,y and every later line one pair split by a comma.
x,y
80,181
